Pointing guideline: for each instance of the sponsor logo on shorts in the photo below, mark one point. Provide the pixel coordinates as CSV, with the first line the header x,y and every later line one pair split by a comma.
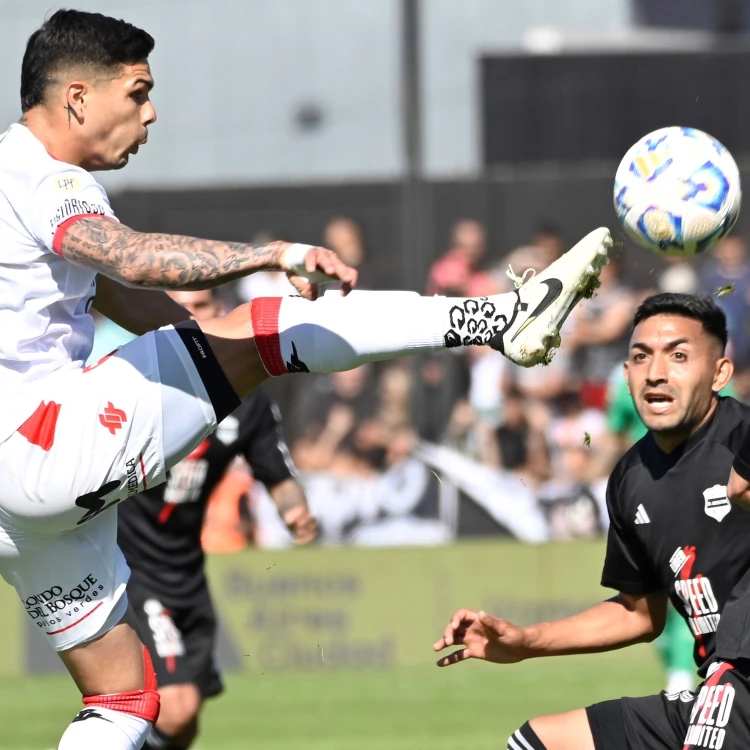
x,y
53,605
112,418
74,207
710,714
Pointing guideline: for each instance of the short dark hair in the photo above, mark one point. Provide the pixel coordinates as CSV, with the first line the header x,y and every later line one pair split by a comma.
x,y
693,306
73,38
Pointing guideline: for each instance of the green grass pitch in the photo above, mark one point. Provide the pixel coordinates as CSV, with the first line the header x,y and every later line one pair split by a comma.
x,y
469,705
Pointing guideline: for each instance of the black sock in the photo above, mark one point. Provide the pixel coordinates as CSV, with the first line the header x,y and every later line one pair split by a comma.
x,y
525,739
159,741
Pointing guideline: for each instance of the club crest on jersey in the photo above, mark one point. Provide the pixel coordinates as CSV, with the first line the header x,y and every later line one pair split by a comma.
x,y
716,503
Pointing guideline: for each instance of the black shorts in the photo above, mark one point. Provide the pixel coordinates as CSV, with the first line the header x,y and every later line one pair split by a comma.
x,y
716,716
180,639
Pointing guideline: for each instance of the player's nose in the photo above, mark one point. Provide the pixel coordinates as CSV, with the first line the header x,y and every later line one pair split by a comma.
x,y
657,370
148,112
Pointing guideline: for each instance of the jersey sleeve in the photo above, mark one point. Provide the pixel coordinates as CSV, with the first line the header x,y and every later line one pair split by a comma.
x,y
263,443
626,565
60,200
741,463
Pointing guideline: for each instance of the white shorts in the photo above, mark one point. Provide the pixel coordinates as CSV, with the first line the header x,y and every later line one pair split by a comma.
x,y
97,438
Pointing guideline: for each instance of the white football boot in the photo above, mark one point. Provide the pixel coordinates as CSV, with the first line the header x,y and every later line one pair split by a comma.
x,y
545,300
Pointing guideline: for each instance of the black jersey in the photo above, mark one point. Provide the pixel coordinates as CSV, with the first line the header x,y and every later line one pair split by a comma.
x,y
672,527
733,637
159,530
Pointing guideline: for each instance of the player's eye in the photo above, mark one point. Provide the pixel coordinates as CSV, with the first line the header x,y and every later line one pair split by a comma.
x,y
639,357
140,96
680,356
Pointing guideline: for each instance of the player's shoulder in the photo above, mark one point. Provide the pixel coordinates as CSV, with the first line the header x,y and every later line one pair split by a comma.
x,y
730,423
25,163
632,460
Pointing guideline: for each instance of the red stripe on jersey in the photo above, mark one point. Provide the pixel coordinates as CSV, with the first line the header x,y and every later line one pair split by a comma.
x,y
143,471
59,236
68,627
166,512
39,428
264,313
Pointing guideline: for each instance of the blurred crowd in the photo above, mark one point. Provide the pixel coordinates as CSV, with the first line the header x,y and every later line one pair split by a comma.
x,y
559,428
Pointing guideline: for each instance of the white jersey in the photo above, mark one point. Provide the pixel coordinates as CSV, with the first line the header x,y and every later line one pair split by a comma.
x,y
44,300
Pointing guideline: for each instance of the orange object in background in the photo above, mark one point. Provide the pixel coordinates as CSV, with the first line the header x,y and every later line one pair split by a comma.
x,y
224,528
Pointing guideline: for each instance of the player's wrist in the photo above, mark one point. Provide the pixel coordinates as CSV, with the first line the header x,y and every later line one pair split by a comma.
x,y
292,257
531,643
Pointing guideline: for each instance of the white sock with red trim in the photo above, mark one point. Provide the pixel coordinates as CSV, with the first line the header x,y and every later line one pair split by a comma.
x,y
97,728
337,333
117,721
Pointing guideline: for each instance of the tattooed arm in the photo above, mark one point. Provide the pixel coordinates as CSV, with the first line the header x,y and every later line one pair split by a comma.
x,y
170,261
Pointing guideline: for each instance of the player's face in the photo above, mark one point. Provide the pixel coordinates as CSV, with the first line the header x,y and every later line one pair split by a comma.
x,y
117,115
201,305
673,371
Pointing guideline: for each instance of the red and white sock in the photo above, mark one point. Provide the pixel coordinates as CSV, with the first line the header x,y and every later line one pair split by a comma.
x,y
119,721
337,333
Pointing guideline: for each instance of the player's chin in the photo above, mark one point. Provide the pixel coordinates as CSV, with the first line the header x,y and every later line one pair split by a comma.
x,y
664,422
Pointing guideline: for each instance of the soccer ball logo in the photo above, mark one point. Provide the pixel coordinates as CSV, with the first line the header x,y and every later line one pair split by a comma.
x,y
677,191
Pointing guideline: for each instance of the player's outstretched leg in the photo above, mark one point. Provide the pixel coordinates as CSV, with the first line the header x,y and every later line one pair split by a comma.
x,y
340,333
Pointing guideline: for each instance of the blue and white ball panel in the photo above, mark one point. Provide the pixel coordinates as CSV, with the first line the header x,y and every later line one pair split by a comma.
x,y
677,191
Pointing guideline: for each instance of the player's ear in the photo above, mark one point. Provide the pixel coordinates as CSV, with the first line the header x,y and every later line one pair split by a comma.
x,y
76,96
625,368
722,374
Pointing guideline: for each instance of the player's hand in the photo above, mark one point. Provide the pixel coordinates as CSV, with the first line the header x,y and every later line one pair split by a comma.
x,y
301,524
308,267
483,637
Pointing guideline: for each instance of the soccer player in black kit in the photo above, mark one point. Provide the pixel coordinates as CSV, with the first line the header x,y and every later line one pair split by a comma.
x,y
159,532
673,534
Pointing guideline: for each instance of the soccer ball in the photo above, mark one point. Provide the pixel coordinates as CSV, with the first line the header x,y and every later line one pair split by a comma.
x,y
677,191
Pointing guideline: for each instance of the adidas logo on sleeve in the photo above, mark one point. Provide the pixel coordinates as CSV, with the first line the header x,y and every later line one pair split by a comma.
x,y
641,516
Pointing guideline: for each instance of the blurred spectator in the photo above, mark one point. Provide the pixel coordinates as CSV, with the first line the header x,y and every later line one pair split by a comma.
x,y
264,283
729,265
520,442
488,371
457,272
345,237
678,277
550,242
227,526
440,382
574,499
340,430
598,333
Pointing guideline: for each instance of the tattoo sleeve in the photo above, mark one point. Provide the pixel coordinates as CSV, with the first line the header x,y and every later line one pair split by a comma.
x,y
164,261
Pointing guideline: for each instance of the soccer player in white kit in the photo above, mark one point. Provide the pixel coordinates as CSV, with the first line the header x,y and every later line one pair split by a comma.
x,y
75,440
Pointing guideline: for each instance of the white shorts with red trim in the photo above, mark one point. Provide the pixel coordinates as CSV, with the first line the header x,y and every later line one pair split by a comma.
x,y
96,438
